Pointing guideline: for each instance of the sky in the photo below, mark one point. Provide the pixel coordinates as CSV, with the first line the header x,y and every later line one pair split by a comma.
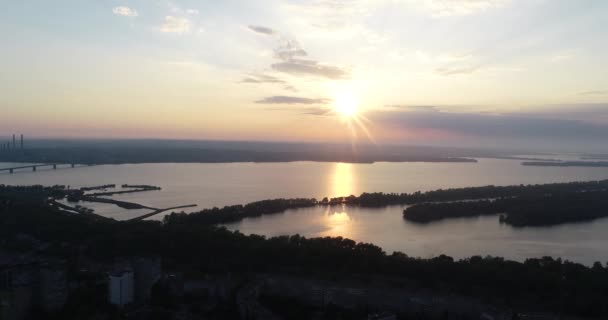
x,y
435,72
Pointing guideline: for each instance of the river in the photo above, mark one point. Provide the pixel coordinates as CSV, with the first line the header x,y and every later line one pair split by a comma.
x,y
219,184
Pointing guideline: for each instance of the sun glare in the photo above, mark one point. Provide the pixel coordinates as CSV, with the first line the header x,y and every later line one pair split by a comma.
x,y
346,104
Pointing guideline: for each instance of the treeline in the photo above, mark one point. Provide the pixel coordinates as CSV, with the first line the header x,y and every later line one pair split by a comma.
x,y
528,210
471,193
36,193
544,284
102,187
435,211
600,164
235,213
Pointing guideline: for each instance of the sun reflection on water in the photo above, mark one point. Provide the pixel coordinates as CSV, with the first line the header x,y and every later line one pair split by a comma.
x,y
342,180
336,220
337,223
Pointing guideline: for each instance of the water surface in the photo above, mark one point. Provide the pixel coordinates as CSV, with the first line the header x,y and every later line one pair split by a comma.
x,y
459,238
219,184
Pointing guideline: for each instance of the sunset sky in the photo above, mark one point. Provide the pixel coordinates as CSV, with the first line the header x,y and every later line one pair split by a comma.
x,y
473,72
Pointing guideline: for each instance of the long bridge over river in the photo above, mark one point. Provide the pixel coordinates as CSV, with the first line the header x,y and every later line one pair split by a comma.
x,y
35,167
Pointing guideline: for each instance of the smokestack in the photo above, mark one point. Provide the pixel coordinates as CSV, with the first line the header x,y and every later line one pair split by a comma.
x,y
14,143
21,141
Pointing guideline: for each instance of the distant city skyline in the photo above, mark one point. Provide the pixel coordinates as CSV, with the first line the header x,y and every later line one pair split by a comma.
x,y
507,73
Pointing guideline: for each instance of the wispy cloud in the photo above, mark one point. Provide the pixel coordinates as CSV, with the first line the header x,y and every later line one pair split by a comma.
x,y
289,52
261,78
176,9
173,24
454,70
560,57
291,59
310,67
594,93
261,30
445,8
412,107
290,88
317,111
292,100
125,11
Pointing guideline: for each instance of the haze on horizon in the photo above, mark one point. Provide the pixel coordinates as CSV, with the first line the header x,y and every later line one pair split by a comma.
x,y
510,73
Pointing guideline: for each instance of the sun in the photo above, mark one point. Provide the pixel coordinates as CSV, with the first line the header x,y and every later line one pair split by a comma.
x,y
346,104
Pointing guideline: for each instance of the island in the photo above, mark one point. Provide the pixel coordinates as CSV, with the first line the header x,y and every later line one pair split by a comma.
x,y
597,164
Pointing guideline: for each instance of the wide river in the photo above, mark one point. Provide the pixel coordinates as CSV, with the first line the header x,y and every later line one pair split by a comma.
x,y
222,184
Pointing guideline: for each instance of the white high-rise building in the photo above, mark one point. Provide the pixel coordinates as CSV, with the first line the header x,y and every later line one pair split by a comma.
x,y
120,287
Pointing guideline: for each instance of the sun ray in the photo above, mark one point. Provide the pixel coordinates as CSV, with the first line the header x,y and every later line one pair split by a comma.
x,y
346,105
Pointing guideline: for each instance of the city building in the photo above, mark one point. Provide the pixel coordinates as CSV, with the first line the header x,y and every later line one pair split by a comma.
x,y
121,287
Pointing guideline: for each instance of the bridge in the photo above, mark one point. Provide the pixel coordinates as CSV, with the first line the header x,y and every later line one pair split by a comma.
x,y
35,167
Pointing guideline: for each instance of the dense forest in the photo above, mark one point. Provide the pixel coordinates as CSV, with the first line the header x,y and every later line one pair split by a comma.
x,y
529,210
544,284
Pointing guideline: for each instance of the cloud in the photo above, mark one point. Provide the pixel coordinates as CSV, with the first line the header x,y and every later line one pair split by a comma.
x,y
291,100
310,67
586,112
413,108
454,70
173,24
334,14
178,10
451,63
261,30
125,11
445,8
290,88
262,78
317,111
564,125
594,93
290,51
310,111
560,57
